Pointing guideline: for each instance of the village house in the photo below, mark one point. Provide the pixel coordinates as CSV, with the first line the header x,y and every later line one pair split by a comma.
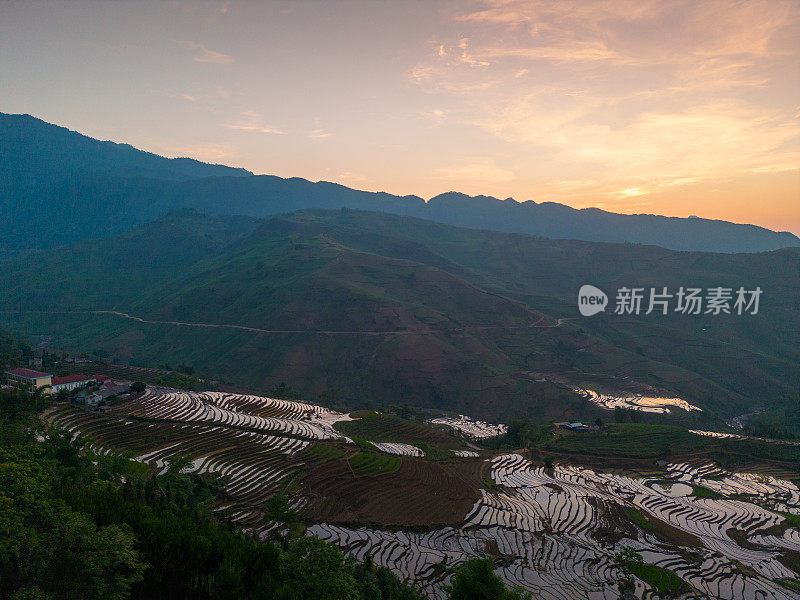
x,y
70,382
108,389
570,426
29,378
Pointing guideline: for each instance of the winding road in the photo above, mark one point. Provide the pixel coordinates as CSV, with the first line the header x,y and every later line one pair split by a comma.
x,y
117,313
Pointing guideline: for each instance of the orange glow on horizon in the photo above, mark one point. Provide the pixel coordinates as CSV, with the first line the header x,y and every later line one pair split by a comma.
x,y
674,107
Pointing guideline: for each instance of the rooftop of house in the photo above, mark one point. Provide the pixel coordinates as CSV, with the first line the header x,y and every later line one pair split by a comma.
x,y
72,379
108,390
28,373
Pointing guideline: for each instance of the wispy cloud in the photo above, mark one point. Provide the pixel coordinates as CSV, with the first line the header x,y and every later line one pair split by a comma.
x,y
252,121
636,96
436,114
187,97
716,41
204,55
318,134
352,178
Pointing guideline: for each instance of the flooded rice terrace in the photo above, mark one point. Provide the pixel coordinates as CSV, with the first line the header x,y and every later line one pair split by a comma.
x,y
651,404
556,533
553,532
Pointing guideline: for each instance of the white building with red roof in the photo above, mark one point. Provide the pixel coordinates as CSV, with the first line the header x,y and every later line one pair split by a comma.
x,y
70,382
29,377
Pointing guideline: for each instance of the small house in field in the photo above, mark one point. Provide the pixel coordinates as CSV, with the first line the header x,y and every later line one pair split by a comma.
x,y
108,389
578,426
29,378
70,382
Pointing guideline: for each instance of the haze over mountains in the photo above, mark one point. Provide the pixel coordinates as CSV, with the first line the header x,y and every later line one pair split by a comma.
x,y
58,187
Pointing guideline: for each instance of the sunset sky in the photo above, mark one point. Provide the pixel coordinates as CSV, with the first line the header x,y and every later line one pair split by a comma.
x,y
675,108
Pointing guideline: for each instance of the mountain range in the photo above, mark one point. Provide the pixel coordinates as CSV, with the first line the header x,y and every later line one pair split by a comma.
x,y
354,297
354,307
58,186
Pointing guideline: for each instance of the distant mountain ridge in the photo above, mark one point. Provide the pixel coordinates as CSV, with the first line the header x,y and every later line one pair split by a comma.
x,y
32,149
558,221
58,186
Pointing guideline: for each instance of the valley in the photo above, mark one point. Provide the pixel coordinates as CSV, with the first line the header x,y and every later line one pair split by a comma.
x,y
439,300
411,383
436,317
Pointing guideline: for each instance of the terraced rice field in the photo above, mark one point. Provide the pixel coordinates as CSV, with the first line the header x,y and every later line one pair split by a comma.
x,y
471,429
382,427
368,464
737,436
651,404
251,445
397,448
394,491
251,465
251,412
466,453
557,532
554,532
257,446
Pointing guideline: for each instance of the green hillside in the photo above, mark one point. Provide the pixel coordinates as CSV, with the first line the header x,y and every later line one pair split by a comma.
x,y
357,308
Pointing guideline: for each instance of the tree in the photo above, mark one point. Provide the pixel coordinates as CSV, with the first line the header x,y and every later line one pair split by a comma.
x,y
476,580
177,462
519,432
92,563
628,556
279,510
285,392
68,529
47,549
404,412
319,570
137,387
628,559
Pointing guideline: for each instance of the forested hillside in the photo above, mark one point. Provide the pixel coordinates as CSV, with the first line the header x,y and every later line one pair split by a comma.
x,y
351,306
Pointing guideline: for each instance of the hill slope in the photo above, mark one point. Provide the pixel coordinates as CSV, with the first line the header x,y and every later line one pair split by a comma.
x,y
59,187
357,306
